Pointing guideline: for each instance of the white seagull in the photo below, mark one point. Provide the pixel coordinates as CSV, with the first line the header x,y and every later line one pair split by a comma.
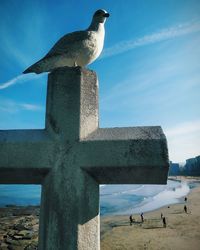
x,y
78,48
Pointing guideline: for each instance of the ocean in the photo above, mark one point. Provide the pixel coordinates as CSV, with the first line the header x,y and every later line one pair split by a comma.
x,y
114,199
132,199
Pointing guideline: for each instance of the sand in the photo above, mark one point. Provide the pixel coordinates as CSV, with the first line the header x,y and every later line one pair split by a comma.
x,y
181,233
19,228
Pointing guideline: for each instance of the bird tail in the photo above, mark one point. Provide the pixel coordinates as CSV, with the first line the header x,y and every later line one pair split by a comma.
x,y
35,68
28,70
46,64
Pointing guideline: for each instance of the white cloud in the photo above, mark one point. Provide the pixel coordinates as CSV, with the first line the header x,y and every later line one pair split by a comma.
x,y
11,49
184,129
10,106
11,82
164,34
19,79
31,107
183,140
144,86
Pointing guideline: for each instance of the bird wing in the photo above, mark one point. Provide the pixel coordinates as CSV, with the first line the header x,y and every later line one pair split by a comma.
x,y
66,42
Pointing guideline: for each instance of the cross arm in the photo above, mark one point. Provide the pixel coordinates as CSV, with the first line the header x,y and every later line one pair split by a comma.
x,y
135,155
25,156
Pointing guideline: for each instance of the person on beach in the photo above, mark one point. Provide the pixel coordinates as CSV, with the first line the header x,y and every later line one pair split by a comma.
x,y
161,216
131,220
164,222
185,209
185,199
142,217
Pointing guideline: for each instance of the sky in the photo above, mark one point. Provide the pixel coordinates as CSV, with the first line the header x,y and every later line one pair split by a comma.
x,y
149,71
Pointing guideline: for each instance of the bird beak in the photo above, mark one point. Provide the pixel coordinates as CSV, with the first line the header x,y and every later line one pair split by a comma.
x,y
106,15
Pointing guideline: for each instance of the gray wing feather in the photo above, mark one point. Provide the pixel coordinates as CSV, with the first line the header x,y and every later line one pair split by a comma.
x,y
63,45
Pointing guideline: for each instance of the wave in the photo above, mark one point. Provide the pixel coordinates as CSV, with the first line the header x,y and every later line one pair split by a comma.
x,y
166,197
143,198
120,189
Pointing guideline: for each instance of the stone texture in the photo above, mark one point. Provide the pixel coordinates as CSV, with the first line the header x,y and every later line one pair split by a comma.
x,y
20,231
25,156
72,156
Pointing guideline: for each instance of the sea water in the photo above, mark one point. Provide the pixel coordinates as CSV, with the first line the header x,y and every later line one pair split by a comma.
x,y
20,195
114,199
131,199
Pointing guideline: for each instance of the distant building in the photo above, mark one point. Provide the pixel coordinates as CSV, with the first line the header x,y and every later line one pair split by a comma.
x,y
174,169
192,166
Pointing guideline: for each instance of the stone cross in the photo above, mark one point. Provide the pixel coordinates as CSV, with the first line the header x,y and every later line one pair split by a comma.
x,y
72,156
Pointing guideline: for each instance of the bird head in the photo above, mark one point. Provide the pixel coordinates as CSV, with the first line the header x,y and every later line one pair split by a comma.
x,y
100,16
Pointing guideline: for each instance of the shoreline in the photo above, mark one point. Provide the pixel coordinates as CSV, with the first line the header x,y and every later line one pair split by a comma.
x,y
182,230
189,179
19,226
158,200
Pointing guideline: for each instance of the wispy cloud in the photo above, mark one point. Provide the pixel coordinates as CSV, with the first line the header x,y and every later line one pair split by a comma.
x,y
184,140
162,35
10,106
139,87
166,79
31,107
19,79
184,128
11,49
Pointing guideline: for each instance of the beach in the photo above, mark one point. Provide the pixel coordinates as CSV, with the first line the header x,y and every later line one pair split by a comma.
x,y
19,226
182,231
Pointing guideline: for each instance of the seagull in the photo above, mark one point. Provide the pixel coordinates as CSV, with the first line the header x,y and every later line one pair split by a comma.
x,y
78,48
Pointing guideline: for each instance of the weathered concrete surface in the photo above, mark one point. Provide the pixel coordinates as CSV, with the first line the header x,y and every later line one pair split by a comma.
x,y
76,155
129,155
25,156
72,103
126,155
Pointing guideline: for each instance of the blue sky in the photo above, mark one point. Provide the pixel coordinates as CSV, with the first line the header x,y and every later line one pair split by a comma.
x,y
149,71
